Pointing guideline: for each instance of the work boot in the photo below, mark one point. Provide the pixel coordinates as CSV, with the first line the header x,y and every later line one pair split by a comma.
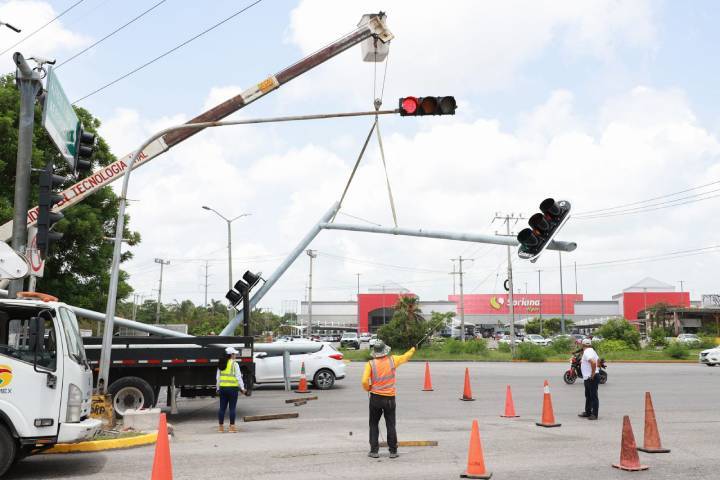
x,y
221,429
592,417
394,455
373,455
232,429
583,415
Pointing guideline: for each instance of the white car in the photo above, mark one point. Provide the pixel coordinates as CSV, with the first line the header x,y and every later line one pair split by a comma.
x,y
365,337
688,338
323,366
537,339
710,357
373,340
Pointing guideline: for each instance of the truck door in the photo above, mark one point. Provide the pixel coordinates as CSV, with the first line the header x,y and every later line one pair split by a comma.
x,y
30,386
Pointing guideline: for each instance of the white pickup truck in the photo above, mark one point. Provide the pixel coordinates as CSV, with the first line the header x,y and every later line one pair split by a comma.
x,y
45,379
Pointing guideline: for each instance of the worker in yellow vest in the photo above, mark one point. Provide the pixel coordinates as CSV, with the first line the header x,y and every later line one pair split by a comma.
x,y
229,383
379,379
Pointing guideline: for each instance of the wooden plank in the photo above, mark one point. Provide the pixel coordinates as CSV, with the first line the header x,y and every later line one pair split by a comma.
x,y
293,400
300,402
276,416
414,443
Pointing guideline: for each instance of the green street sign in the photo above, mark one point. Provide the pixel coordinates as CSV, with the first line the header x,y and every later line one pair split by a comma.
x,y
59,118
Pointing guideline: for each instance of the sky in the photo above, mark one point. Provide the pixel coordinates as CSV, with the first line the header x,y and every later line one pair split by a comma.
x,y
603,103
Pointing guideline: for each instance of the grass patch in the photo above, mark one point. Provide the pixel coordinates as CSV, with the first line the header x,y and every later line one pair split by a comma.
x,y
114,435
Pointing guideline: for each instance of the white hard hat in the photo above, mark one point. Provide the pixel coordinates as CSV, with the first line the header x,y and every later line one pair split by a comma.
x,y
587,341
231,350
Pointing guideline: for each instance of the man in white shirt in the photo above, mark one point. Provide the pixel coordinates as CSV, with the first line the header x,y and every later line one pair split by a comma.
x,y
589,369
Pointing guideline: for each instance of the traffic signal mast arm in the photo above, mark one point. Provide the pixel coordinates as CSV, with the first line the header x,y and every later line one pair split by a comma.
x,y
374,27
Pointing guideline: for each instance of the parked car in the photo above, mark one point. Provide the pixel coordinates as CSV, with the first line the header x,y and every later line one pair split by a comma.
x,y
350,340
596,338
323,366
365,337
688,338
710,357
373,340
578,337
537,339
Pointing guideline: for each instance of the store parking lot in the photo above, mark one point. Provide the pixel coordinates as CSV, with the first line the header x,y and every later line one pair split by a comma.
x,y
329,439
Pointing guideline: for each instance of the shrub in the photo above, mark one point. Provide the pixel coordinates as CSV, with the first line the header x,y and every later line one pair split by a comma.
x,y
531,352
707,342
607,346
620,329
563,345
477,346
677,350
504,347
453,346
658,337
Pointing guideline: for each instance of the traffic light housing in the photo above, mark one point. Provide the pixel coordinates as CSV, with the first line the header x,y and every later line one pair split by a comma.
x,y
46,217
84,149
543,227
240,293
421,106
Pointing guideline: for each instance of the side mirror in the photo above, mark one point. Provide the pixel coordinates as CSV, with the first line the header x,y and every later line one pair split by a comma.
x,y
37,335
261,355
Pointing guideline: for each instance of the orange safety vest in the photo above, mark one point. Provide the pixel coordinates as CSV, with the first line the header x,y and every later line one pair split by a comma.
x,y
383,376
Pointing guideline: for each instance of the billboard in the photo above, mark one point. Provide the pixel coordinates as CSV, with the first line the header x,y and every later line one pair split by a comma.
x,y
525,304
711,301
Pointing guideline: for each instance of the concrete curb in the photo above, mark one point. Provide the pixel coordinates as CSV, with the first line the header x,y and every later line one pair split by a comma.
x,y
102,445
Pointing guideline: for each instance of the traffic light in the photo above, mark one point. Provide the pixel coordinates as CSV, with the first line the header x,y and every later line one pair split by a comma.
x,y
84,149
419,106
240,293
543,227
46,217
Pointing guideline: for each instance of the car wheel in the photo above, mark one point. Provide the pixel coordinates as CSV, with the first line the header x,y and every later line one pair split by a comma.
x,y
711,364
324,379
8,450
131,393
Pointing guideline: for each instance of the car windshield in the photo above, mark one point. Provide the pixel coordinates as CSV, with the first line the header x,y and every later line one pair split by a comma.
x,y
72,335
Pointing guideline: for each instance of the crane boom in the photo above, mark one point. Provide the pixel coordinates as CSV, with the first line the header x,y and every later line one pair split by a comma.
x,y
374,27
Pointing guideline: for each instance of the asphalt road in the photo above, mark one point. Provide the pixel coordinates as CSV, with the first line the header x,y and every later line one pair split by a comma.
x,y
329,440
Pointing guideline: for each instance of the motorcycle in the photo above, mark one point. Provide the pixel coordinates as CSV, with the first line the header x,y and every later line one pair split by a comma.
x,y
574,371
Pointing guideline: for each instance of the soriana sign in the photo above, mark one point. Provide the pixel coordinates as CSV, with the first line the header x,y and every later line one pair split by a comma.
x,y
525,304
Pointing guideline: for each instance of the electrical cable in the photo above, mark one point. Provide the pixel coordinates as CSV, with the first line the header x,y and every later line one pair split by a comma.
x,y
168,52
657,206
111,33
43,26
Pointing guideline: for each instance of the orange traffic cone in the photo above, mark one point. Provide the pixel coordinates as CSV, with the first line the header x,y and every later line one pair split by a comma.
x,y
509,405
302,387
651,442
428,381
548,417
629,459
162,465
476,461
467,391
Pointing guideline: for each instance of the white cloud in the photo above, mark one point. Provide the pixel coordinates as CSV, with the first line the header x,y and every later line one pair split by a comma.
x,y
29,16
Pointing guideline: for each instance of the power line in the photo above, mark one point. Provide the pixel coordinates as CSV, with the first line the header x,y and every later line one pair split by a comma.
x,y
45,25
639,202
168,52
652,207
112,33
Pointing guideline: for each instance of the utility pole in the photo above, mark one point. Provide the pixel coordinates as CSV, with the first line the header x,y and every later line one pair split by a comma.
x,y
206,282
357,302
575,266
562,298
312,254
29,84
460,261
540,302
453,273
159,299
511,296
681,285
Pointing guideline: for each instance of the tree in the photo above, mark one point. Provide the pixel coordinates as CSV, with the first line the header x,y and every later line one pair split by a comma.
x,y
408,327
550,326
78,267
620,329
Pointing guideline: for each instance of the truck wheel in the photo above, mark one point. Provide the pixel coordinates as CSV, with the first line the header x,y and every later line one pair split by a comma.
x,y
131,393
324,379
8,450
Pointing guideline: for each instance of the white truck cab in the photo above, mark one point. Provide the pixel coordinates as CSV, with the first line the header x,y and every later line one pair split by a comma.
x,y
45,379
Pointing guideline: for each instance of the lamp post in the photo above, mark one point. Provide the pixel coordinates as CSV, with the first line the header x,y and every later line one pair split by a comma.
x,y
229,231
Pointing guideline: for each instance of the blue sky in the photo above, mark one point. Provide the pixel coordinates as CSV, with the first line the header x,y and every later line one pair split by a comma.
x,y
604,102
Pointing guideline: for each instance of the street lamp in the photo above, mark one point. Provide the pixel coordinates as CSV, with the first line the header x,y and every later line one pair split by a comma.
x,y
229,222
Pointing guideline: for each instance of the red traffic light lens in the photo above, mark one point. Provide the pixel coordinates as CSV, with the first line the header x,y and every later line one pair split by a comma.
x,y
409,105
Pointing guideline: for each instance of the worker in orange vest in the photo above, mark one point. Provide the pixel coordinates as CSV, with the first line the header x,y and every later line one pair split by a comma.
x,y
379,379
